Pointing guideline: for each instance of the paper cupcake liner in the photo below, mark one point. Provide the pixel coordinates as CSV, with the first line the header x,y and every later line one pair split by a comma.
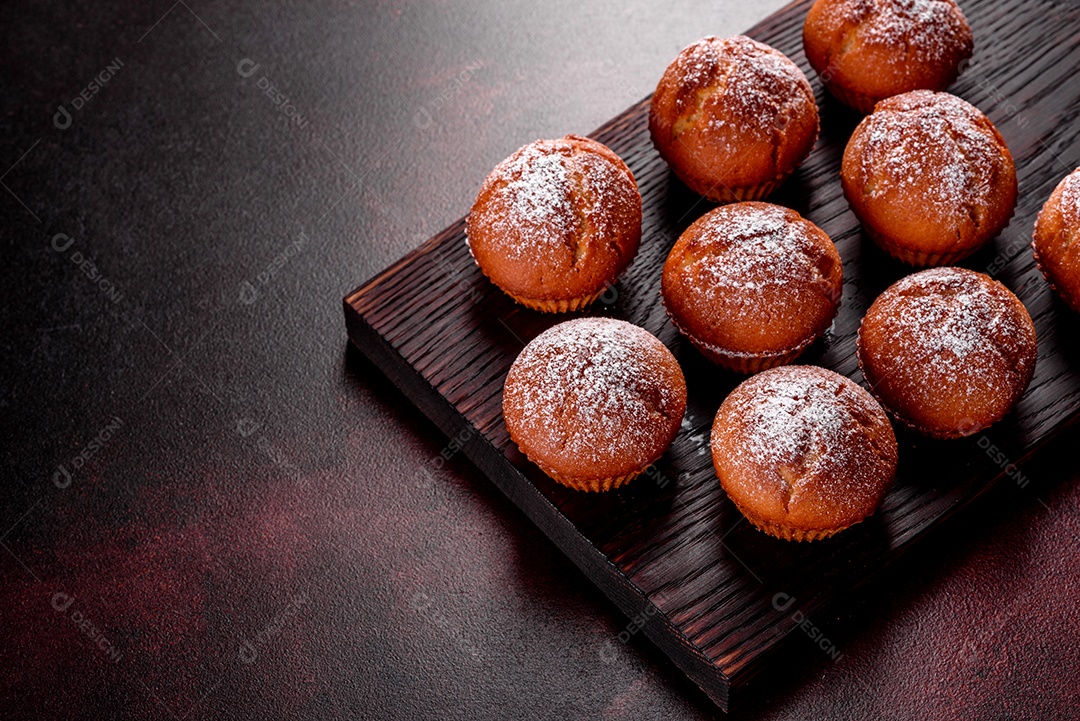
x,y
922,259
556,306
723,194
594,485
746,363
789,533
917,258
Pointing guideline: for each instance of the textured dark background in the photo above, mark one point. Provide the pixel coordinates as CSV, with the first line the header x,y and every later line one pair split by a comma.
x,y
260,527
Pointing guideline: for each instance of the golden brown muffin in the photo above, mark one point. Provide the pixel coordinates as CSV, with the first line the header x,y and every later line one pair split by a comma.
x,y
868,50
752,285
803,452
594,402
929,177
556,223
948,351
1054,242
733,118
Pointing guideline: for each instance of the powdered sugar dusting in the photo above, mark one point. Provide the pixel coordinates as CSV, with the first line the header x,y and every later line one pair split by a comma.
x,y
556,199
801,425
790,417
700,63
608,195
755,248
925,30
1070,195
951,325
752,278
541,190
757,87
596,391
537,187
935,146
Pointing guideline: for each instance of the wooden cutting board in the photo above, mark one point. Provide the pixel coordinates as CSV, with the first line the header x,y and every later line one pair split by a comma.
x,y
716,595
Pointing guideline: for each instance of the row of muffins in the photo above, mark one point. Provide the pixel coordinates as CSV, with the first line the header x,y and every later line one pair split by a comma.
x,y
929,176
801,451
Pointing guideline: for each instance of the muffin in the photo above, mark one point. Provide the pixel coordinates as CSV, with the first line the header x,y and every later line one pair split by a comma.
x,y
556,223
733,118
752,284
1055,245
594,402
947,351
929,177
803,452
868,50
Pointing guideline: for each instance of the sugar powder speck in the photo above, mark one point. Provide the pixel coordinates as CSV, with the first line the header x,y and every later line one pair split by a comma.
x,y
591,386
797,426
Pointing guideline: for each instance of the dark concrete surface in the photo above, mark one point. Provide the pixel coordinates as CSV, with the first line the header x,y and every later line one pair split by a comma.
x,y
213,508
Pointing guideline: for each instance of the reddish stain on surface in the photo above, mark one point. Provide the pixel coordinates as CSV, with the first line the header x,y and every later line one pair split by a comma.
x,y
160,599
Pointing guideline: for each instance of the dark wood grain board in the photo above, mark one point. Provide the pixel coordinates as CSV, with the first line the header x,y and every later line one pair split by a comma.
x,y
670,546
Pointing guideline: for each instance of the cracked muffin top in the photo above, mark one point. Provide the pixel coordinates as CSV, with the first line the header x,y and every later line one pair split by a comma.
x,y
929,177
752,284
593,399
803,452
868,50
733,117
948,351
556,222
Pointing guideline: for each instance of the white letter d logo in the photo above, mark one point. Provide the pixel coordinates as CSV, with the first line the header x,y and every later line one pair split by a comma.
x,y
62,118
